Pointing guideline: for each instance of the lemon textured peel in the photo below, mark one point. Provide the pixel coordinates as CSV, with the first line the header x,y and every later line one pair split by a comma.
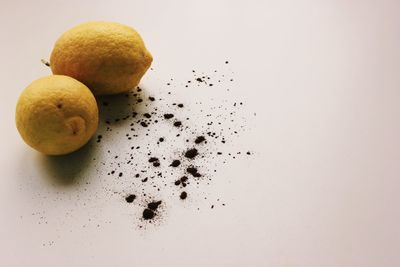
x,y
108,57
56,115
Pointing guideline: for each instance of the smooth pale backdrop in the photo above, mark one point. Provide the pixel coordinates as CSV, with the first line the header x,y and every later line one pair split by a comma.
x,y
323,187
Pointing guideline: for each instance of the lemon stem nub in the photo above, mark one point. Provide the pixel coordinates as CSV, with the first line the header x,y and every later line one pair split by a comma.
x,y
45,62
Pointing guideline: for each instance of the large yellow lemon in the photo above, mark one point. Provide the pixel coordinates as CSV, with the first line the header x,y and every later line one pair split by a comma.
x,y
108,57
56,115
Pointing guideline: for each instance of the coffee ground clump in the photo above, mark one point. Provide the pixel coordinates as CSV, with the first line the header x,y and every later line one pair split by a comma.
x,y
191,153
168,116
156,164
153,159
183,195
193,171
130,198
154,205
175,163
199,139
182,181
148,214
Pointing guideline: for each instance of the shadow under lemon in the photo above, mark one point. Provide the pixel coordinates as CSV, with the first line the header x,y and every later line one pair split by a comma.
x,y
70,169
119,109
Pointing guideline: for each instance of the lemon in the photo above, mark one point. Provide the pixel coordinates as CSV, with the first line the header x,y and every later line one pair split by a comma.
x,y
108,57
56,115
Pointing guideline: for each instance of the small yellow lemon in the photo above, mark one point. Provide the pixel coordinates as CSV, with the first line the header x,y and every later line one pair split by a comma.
x,y
56,115
108,57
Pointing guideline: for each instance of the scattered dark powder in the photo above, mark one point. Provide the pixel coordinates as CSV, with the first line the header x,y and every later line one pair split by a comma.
x,y
154,180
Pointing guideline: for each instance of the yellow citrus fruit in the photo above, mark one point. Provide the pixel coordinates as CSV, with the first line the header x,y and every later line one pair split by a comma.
x,y
56,115
108,57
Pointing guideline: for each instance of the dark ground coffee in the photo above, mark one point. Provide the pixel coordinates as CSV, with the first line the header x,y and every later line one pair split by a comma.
x,y
187,168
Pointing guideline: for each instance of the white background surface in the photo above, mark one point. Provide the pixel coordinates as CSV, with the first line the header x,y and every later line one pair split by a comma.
x,y
323,187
